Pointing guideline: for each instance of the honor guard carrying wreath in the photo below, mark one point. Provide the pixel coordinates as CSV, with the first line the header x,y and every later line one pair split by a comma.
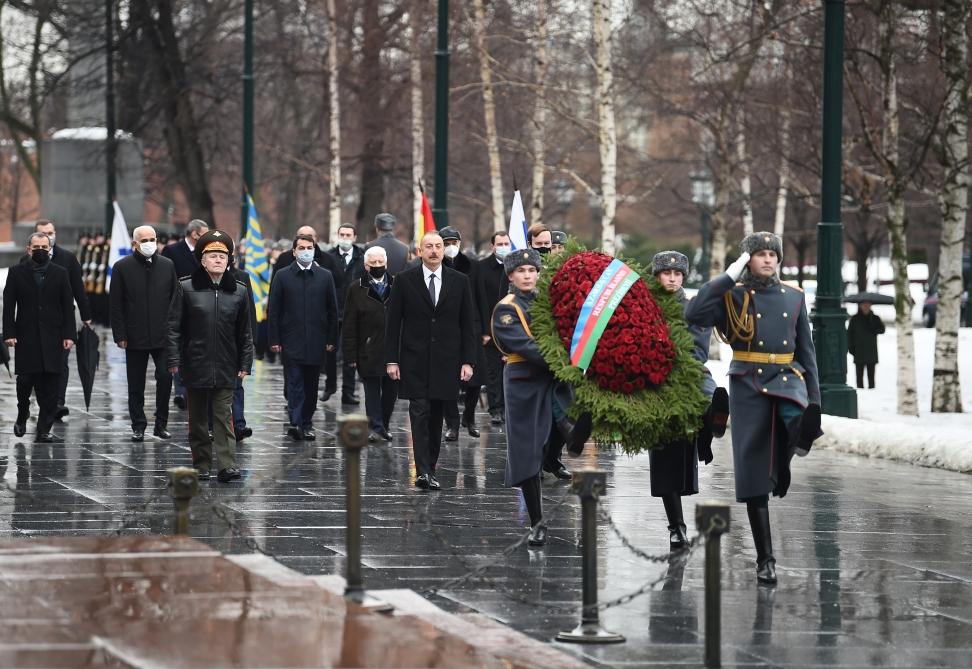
x,y
774,395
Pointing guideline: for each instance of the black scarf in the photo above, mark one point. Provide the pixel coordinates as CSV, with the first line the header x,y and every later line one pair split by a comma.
x,y
40,271
757,282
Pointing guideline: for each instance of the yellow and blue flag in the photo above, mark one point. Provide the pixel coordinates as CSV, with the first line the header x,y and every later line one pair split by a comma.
x,y
257,261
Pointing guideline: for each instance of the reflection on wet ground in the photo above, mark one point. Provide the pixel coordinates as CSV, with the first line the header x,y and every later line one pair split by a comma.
x,y
873,556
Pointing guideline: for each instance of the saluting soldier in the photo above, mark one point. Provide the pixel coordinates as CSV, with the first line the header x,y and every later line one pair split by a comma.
x,y
530,388
674,469
774,395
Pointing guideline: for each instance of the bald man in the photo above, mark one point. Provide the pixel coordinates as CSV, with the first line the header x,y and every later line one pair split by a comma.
x,y
328,262
143,287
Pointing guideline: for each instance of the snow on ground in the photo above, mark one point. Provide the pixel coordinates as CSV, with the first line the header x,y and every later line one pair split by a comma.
x,y
930,440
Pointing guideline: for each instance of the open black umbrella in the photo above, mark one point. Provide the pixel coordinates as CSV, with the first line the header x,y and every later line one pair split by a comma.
x,y
5,357
88,358
873,298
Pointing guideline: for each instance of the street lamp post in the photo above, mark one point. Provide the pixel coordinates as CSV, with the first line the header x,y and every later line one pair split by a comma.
x,y
440,211
703,196
829,335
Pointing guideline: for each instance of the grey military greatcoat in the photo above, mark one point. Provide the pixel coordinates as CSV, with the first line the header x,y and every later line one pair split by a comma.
x,y
779,328
528,388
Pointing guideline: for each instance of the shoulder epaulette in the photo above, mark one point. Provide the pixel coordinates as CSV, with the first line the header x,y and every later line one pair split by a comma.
x,y
792,284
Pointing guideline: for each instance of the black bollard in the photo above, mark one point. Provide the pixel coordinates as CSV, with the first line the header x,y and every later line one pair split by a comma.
x,y
353,436
183,484
712,521
589,484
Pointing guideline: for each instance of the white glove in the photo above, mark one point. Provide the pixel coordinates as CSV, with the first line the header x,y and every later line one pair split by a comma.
x,y
735,270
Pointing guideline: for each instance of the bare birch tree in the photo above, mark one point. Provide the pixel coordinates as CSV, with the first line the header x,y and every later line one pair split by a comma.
x,y
745,177
541,65
782,190
489,114
334,133
953,201
418,112
607,134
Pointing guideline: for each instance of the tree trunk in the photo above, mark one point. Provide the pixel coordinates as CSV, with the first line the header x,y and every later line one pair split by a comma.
x,y
719,233
334,131
607,135
541,65
418,115
745,180
489,113
372,83
953,201
783,189
897,219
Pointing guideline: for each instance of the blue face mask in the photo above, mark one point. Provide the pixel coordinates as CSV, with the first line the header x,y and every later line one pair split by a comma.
x,y
502,251
305,256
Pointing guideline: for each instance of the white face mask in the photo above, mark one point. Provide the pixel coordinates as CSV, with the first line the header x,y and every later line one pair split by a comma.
x,y
148,249
451,251
502,251
344,244
305,257
51,236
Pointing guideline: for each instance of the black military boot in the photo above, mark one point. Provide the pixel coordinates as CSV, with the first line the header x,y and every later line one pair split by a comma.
x,y
760,525
677,537
575,434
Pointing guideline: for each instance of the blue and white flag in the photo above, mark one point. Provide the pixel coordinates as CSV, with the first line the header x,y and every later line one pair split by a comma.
x,y
518,223
121,242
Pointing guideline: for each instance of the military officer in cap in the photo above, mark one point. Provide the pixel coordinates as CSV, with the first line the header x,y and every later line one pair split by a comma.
x,y
674,468
773,384
211,344
395,251
557,240
535,402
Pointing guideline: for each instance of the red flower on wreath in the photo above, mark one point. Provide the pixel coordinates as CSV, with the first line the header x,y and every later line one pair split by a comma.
x,y
635,349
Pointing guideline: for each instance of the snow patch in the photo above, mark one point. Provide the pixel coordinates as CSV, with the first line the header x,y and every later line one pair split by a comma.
x,y
90,134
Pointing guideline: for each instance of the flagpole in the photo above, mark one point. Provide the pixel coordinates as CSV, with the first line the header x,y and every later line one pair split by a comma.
x,y
440,212
247,113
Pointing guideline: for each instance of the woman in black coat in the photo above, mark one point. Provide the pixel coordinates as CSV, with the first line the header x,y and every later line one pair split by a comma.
x,y
38,320
363,340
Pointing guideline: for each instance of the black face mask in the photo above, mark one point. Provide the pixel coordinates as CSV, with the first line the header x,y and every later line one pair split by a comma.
x,y
40,256
542,250
376,272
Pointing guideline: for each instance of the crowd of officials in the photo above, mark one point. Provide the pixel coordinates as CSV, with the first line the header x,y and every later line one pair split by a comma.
x,y
432,329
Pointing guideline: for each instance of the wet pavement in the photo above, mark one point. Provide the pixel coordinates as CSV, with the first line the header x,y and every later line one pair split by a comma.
x,y
873,556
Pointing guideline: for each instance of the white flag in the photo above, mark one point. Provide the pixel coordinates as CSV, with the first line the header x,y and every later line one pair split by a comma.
x,y
121,242
518,223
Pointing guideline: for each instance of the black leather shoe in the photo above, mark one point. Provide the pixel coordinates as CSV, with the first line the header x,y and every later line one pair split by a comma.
x,y
20,428
61,412
374,438
538,535
326,395
496,418
386,435
451,435
766,572
563,473
180,402
472,430
294,433
677,539
161,433
349,401
308,434
719,412
47,438
434,483
243,432
138,435
228,474
422,481
202,475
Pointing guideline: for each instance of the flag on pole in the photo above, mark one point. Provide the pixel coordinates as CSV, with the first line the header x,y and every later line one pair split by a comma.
x,y
121,242
257,261
425,223
518,223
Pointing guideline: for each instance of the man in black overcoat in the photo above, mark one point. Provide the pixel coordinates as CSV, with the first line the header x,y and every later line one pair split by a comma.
x,y
349,266
38,321
430,347
183,256
492,286
143,291
61,256
395,250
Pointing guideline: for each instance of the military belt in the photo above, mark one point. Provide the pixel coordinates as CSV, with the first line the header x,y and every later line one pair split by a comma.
x,y
514,357
764,358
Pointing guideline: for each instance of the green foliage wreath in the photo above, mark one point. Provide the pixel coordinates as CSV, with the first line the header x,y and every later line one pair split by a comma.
x,y
647,418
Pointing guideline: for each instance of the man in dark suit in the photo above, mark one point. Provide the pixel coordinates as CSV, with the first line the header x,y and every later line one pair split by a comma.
x,y
430,347
143,291
349,260
61,256
492,286
38,319
395,251
302,324
183,256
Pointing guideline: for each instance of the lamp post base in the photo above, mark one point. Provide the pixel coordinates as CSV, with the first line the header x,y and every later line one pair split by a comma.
x,y
838,399
589,633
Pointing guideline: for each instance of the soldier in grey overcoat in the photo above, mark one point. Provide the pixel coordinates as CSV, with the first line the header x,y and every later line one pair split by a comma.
x,y
674,469
529,388
773,385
